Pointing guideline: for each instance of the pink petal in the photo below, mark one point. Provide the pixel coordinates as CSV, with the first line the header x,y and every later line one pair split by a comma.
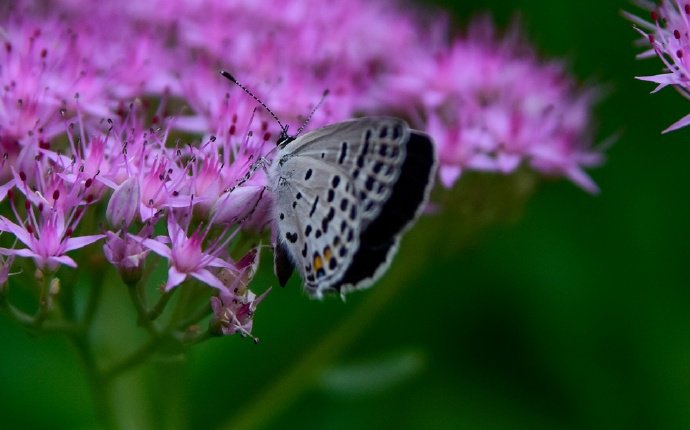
x,y
155,246
208,278
19,232
580,178
24,252
678,124
5,188
80,242
449,174
175,278
663,79
63,259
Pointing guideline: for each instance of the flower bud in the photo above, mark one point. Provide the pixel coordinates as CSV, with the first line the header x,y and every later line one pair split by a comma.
x,y
127,255
237,204
54,287
123,204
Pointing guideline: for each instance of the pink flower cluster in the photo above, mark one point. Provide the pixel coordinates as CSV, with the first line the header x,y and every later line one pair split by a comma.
x,y
667,36
120,105
492,105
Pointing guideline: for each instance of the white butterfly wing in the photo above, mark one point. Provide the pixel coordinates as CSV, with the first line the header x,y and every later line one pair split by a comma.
x,y
368,150
318,221
348,175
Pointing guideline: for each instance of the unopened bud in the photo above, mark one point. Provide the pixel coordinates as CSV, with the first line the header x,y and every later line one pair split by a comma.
x,y
123,204
237,204
54,287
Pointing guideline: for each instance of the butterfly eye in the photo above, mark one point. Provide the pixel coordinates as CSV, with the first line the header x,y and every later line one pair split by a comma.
x,y
284,138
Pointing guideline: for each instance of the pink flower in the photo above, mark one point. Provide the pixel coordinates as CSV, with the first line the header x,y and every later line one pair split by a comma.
x,y
186,256
233,309
45,69
47,237
492,105
669,39
126,254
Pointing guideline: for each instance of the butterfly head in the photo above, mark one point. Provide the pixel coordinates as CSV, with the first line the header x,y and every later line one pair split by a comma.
x,y
284,138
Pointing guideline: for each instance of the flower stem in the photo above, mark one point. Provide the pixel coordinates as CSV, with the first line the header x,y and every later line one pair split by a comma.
x,y
92,303
44,302
191,338
136,358
100,387
142,314
194,318
158,309
28,321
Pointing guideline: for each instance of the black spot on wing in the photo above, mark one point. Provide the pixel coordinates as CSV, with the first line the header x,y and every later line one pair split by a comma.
x,y
343,152
407,195
313,206
282,263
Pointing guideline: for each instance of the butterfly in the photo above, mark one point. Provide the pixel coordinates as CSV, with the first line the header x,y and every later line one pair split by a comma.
x,y
343,195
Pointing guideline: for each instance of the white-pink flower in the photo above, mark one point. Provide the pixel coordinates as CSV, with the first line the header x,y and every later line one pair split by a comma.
x,y
186,256
47,239
668,38
491,104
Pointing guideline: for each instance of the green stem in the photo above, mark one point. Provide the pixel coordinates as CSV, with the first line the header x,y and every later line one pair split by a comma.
x,y
158,309
100,387
142,314
188,339
287,389
92,303
28,321
135,359
44,302
194,318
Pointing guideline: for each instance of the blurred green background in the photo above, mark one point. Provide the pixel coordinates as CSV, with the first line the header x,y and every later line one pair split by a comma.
x,y
576,314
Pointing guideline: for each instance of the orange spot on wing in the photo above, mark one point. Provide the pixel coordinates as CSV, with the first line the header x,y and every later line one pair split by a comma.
x,y
318,263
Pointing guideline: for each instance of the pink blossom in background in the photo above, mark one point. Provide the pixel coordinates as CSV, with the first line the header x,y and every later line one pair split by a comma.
x,y
491,105
666,37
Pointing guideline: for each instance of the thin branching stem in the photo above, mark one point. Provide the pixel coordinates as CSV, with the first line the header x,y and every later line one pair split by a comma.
x,y
135,359
160,305
140,307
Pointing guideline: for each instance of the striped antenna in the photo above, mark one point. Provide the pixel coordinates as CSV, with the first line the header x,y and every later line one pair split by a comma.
x,y
258,100
306,121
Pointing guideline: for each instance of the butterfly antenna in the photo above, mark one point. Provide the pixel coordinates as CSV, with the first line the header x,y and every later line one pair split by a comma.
x,y
304,124
258,100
